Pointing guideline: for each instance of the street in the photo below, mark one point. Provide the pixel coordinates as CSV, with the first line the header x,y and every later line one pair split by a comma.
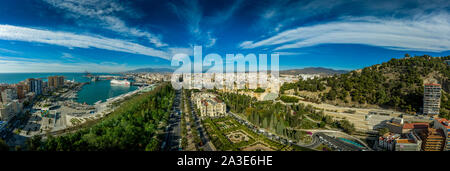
x,y
173,130
204,137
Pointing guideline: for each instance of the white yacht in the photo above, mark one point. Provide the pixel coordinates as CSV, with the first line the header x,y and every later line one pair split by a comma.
x,y
121,82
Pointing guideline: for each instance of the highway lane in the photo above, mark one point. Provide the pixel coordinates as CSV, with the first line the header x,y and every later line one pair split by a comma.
x,y
204,137
173,130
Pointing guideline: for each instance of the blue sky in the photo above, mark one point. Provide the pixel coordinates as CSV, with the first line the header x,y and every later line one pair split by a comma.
x,y
114,35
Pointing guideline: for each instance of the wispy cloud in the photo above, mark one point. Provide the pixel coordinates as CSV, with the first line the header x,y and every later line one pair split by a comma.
x,y
285,14
70,40
22,65
67,56
274,16
290,53
104,12
421,33
191,13
9,51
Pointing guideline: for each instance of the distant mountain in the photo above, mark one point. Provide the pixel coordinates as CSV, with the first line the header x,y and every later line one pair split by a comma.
x,y
313,70
310,70
153,70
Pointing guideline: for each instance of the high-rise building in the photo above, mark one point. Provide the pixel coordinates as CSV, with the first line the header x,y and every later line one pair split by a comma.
x,y
8,95
20,88
55,81
431,99
35,86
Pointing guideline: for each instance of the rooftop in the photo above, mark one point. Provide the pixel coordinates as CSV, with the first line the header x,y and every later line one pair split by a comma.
x,y
432,84
406,141
415,125
444,122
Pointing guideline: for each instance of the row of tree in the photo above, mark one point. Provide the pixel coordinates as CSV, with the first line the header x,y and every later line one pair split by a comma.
x,y
282,119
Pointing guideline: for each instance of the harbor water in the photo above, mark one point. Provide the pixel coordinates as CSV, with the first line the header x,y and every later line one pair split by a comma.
x,y
100,90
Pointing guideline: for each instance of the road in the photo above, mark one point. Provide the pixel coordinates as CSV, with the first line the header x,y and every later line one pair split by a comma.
x,y
173,130
337,144
207,146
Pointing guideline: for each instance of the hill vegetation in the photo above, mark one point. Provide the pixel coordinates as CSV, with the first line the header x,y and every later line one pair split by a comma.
x,y
397,84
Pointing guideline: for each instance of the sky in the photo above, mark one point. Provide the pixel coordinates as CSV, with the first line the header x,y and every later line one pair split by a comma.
x,y
116,36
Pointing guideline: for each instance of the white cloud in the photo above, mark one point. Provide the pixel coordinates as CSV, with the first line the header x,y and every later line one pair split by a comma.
x,y
176,50
290,53
67,56
104,13
422,33
211,41
9,51
70,40
21,65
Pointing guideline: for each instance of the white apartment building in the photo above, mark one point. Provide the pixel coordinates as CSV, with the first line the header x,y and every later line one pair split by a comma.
x,y
8,95
308,76
9,110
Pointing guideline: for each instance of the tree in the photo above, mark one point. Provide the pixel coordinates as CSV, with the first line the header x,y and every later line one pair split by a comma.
x,y
3,146
153,145
322,124
34,142
132,126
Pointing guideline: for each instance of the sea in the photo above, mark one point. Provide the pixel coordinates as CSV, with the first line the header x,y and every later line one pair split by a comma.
x,y
90,93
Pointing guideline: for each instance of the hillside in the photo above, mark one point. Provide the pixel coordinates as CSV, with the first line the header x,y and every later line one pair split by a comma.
x,y
396,84
313,70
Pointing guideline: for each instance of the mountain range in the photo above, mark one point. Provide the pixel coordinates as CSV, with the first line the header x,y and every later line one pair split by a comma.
x,y
309,70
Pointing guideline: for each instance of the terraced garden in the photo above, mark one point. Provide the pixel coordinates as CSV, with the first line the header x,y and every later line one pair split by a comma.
x,y
229,135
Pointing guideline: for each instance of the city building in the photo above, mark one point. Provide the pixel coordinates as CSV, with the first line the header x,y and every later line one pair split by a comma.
x,y
308,76
387,141
409,127
408,142
398,126
21,91
5,112
444,125
55,81
35,86
9,110
432,139
8,95
394,127
431,99
209,105
447,62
